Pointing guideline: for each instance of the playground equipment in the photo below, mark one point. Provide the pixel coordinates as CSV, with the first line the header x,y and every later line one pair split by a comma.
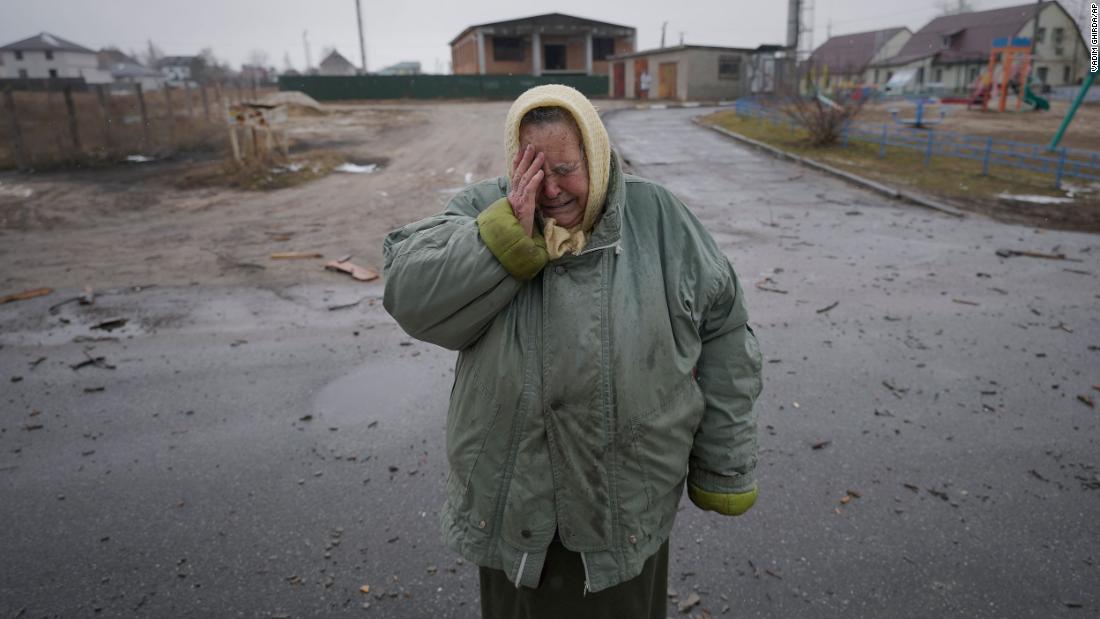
x,y
1089,79
918,121
1014,57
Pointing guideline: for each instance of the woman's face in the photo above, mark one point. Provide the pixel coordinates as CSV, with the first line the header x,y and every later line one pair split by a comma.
x,y
564,192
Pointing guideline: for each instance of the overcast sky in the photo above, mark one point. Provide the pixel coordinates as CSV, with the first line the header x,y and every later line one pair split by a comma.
x,y
420,30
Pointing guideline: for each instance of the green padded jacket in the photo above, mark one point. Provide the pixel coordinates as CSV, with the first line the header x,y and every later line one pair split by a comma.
x,y
587,389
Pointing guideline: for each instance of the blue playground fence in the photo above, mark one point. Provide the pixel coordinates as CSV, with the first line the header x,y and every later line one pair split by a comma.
x,y
1061,164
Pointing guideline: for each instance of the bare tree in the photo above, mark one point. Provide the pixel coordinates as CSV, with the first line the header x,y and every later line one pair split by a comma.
x,y
823,117
258,58
954,7
152,55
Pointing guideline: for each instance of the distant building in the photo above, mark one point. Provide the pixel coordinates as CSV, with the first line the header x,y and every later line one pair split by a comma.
x,y
950,52
48,56
846,59
409,67
540,45
682,73
771,69
126,71
335,64
179,69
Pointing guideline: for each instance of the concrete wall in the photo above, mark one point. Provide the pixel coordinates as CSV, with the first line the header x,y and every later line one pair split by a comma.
x,y
67,64
696,75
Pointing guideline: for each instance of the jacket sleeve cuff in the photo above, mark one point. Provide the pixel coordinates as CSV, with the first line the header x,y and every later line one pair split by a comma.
x,y
522,256
727,504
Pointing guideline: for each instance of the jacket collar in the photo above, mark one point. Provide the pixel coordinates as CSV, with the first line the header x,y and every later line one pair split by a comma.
x,y
608,229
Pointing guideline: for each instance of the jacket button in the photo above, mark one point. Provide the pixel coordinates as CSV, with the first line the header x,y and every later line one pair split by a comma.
x,y
632,539
560,269
481,525
525,533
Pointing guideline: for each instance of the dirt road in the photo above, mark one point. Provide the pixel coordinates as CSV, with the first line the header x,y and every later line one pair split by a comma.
x,y
130,225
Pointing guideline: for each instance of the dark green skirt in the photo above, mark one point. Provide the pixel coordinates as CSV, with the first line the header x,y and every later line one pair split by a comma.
x,y
561,591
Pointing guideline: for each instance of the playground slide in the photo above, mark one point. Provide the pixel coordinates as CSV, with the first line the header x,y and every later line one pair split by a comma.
x,y
1035,101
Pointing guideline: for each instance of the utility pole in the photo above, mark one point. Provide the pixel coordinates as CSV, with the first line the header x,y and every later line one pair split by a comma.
x,y
1035,32
305,43
362,45
663,27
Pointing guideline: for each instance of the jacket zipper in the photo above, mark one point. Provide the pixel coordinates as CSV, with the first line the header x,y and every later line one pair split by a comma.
x,y
587,587
617,245
519,572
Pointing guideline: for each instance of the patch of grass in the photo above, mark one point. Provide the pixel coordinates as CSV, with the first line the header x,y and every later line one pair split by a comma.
x,y
958,181
944,176
262,176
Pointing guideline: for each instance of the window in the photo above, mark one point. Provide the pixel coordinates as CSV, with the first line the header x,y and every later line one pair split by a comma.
x,y
1065,74
939,75
729,67
889,74
18,55
49,54
973,73
53,72
23,73
1059,35
507,49
1042,72
602,47
1040,34
920,76
876,76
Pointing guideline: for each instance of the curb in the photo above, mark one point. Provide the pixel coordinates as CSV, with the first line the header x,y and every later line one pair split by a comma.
x,y
855,179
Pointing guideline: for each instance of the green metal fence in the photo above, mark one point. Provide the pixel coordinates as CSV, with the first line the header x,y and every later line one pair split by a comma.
x,y
334,88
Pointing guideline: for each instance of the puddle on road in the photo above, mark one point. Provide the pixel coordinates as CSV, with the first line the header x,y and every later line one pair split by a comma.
x,y
401,392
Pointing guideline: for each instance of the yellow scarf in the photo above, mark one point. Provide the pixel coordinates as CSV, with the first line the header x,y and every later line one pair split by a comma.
x,y
597,150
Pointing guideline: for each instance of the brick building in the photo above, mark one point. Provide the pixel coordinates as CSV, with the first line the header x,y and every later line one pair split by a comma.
x,y
541,45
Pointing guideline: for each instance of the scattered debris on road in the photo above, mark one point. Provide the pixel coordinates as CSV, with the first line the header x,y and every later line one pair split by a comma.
x,y
1010,253
110,325
295,255
26,294
363,274
826,309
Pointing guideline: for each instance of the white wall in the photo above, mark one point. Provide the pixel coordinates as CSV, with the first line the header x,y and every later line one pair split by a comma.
x,y
67,64
1074,53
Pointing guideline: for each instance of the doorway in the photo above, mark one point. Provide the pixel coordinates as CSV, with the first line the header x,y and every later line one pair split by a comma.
x,y
667,87
554,57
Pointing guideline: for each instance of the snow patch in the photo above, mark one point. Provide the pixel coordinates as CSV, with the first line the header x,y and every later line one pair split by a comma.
x,y
15,191
1034,199
469,177
352,168
139,159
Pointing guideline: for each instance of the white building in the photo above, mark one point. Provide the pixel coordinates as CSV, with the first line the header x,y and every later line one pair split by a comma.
x,y
336,64
46,56
179,69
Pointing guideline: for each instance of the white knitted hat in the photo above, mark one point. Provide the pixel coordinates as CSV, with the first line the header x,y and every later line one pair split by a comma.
x,y
597,146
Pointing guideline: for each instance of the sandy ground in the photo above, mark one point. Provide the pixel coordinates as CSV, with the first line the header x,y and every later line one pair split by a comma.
x,y
130,225
1023,126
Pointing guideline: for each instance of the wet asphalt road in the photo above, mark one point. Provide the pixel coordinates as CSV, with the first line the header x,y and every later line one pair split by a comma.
x,y
253,454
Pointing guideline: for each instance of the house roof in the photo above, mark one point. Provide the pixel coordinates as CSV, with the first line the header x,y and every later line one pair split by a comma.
x,y
852,52
109,57
176,61
681,48
45,41
336,60
971,34
546,21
